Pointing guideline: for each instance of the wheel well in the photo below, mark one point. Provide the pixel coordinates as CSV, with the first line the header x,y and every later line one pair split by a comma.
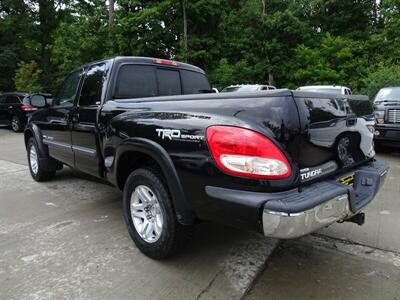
x,y
28,134
132,160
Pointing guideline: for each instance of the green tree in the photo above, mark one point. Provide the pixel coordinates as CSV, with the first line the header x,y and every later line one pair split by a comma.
x,y
27,77
337,60
383,76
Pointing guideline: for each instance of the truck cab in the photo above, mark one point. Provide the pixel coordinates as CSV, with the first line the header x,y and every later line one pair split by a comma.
x,y
387,115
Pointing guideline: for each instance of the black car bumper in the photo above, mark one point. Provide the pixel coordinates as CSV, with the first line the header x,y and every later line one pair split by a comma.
x,y
294,213
389,134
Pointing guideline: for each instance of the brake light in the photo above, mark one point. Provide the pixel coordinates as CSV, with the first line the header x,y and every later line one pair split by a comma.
x,y
27,107
246,153
165,62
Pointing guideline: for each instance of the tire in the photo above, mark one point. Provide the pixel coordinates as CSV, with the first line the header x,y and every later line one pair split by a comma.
x,y
36,169
156,244
16,124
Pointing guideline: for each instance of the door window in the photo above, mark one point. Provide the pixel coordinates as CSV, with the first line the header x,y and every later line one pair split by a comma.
x,y
136,81
169,82
92,86
67,93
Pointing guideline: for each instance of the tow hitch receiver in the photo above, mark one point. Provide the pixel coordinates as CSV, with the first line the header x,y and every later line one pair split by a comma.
x,y
358,219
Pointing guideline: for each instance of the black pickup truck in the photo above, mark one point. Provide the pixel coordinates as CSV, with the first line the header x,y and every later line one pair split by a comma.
x,y
284,163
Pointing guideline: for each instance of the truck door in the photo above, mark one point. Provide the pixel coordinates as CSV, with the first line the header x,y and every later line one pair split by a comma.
x,y
55,126
84,121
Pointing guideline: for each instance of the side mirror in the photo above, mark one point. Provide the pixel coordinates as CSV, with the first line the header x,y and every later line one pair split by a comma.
x,y
38,100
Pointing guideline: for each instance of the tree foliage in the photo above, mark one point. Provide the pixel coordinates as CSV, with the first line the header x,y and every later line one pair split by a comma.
x,y
27,77
284,42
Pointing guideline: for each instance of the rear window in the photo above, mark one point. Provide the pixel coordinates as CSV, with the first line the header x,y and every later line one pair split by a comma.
x,y
194,82
136,81
169,82
139,81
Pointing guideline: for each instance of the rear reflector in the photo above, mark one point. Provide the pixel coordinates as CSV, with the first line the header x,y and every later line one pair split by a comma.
x,y
165,62
246,153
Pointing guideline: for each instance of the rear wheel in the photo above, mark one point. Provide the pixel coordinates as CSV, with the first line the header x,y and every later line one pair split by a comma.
x,y
36,169
150,217
16,125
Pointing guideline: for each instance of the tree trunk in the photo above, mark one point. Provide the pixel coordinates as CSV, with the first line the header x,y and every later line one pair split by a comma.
x,y
47,23
110,13
271,79
185,37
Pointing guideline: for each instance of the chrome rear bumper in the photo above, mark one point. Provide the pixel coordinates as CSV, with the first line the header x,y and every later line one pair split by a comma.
x,y
292,225
297,213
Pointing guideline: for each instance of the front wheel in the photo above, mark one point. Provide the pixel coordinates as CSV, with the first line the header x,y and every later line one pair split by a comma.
x,y
36,168
150,217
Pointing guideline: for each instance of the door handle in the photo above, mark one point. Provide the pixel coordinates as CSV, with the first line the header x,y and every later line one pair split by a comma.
x,y
10,107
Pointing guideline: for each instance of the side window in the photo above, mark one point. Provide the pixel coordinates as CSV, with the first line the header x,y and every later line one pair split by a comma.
x,y
11,99
169,82
136,81
67,93
92,86
2,99
194,82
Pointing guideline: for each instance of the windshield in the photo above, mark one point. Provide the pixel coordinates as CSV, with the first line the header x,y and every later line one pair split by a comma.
x,y
243,88
388,94
323,90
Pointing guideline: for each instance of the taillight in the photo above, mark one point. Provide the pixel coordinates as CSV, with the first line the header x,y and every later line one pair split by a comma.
x,y
27,107
246,153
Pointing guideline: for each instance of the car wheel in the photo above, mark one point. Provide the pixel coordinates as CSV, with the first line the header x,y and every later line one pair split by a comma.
x,y
16,125
150,217
36,169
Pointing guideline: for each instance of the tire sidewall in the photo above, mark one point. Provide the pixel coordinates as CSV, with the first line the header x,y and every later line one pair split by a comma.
x,y
162,246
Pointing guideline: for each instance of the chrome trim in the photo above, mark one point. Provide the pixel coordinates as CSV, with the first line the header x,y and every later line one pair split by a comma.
x,y
393,115
84,125
292,225
57,144
86,151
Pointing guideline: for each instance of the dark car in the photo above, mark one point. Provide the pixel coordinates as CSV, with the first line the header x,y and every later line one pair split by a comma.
x,y
280,162
14,110
387,115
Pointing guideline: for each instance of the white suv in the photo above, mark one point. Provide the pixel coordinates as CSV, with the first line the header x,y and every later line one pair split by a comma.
x,y
248,88
328,89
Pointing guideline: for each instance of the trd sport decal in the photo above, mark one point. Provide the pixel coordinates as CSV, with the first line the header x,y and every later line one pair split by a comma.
x,y
175,134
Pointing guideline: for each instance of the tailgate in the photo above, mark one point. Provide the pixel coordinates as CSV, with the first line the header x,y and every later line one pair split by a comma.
x,y
337,133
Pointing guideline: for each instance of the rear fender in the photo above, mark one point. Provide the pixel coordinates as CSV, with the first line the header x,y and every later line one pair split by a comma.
x,y
184,214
